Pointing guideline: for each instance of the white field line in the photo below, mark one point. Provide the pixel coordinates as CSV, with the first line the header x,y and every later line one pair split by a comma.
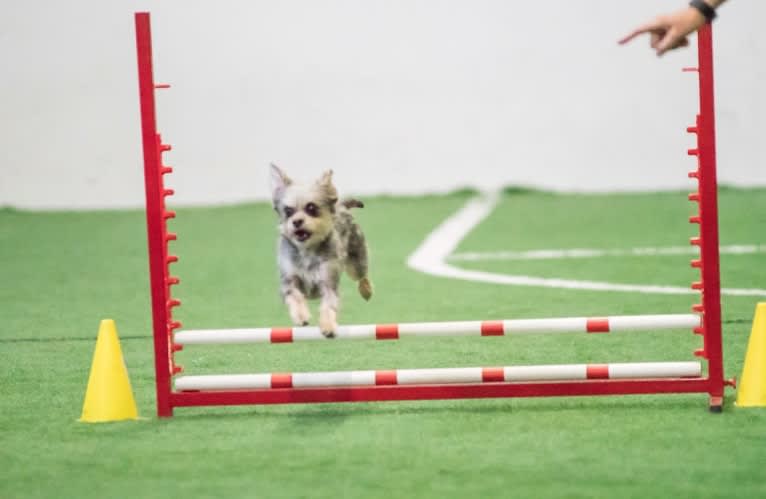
x,y
432,254
554,254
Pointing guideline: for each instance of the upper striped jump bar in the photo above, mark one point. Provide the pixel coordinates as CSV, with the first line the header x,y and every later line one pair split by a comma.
x,y
464,375
460,328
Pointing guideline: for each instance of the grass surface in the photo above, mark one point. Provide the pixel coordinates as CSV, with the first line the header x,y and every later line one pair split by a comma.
x,y
62,272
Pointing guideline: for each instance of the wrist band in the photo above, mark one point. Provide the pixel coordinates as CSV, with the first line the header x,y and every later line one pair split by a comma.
x,y
704,9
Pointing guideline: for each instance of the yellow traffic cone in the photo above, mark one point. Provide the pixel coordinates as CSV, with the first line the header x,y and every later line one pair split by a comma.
x,y
109,396
751,391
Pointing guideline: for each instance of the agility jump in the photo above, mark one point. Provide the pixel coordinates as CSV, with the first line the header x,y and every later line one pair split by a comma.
x,y
444,383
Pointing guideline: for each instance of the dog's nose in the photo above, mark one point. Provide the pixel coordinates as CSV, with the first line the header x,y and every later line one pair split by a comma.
x,y
297,223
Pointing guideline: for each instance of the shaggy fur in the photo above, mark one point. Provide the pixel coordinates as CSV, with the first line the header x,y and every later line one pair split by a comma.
x,y
318,240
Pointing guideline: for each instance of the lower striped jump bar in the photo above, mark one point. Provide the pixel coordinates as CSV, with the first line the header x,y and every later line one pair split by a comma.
x,y
460,328
465,375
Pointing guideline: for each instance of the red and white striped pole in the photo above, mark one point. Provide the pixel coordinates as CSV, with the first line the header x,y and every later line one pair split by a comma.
x,y
430,329
461,375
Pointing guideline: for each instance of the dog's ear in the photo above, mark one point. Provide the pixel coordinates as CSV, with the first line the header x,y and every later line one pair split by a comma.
x,y
326,178
326,187
279,182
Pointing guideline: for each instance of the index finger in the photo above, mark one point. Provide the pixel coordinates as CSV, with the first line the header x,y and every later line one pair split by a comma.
x,y
645,28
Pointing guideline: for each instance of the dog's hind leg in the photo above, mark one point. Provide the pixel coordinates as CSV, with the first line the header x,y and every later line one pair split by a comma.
x,y
357,262
365,288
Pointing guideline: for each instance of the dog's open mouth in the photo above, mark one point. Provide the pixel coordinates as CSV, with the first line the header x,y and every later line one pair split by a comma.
x,y
302,235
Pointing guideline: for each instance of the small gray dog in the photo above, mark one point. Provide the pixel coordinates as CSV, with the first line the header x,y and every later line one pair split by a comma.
x,y
318,241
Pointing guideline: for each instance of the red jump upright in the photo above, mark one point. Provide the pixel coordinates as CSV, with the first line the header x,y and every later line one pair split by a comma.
x,y
445,383
707,218
156,222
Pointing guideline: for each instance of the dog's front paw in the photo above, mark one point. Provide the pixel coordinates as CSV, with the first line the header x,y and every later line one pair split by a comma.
x,y
327,323
299,313
300,319
328,334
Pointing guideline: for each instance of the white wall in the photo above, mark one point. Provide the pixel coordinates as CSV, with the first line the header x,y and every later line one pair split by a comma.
x,y
395,95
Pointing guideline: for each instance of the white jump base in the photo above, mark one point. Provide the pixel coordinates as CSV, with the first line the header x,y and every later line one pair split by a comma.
x,y
430,329
462,375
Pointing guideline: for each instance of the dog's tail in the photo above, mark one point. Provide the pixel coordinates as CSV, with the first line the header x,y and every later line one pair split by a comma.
x,y
352,203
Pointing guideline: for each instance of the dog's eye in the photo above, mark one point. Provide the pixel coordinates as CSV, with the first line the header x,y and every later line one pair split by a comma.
x,y
312,210
289,211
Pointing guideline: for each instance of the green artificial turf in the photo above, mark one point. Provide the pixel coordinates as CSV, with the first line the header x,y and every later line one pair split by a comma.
x,y
63,272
